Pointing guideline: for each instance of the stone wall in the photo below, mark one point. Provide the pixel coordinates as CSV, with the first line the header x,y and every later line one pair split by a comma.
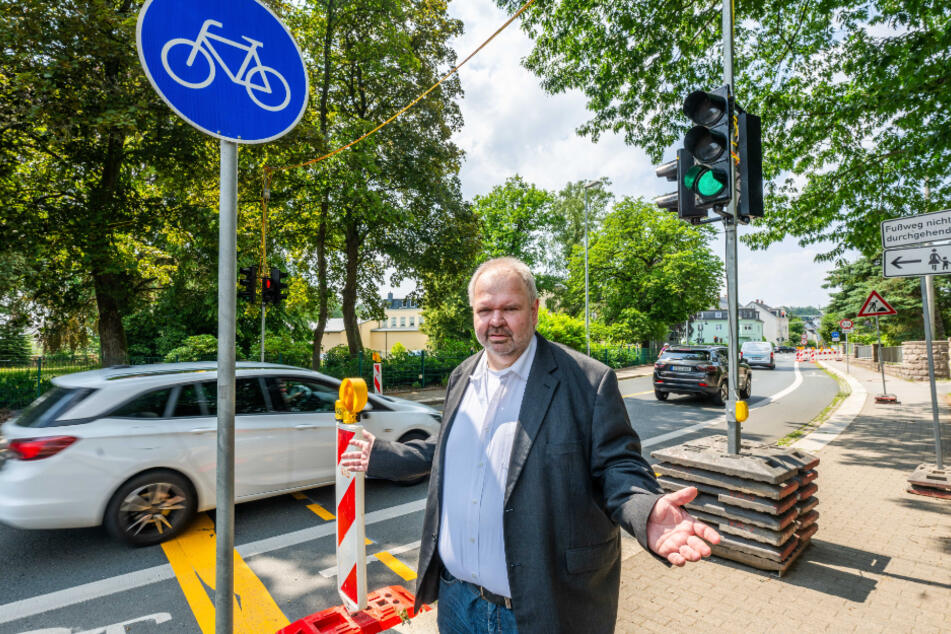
x,y
914,365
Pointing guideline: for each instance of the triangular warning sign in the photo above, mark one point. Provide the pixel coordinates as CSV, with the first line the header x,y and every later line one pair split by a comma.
x,y
876,306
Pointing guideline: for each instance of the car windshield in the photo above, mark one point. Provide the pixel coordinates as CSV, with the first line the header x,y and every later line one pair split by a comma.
x,y
44,411
687,355
756,347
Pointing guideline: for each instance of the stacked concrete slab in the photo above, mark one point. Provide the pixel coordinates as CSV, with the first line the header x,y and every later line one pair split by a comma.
x,y
761,500
929,480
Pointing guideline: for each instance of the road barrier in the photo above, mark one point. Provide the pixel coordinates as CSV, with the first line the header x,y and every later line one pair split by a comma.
x,y
351,527
762,500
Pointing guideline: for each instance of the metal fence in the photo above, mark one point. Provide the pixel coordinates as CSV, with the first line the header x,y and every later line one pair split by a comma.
x,y
22,382
892,354
863,352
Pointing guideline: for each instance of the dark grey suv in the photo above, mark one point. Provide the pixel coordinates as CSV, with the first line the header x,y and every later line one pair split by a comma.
x,y
698,370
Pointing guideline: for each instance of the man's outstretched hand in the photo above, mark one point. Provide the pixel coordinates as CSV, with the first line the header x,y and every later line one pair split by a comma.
x,y
675,534
357,456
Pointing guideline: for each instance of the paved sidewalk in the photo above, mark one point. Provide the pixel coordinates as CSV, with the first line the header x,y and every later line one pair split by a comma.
x,y
881,560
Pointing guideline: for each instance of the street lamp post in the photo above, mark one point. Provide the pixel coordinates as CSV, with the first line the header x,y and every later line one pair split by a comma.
x,y
587,334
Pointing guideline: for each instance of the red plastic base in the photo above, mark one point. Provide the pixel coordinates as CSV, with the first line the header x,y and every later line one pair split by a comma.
x,y
930,492
385,608
886,398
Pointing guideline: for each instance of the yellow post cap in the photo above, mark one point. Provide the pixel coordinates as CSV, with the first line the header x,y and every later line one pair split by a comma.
x,y
742,411
376,357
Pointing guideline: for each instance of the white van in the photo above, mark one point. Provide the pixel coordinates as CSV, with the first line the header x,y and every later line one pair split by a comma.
x,y
758,353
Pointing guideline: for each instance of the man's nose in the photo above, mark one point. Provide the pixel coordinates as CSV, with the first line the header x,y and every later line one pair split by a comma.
x,y
497,317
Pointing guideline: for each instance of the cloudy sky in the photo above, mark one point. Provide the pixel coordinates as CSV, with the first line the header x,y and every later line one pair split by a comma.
x,y
513,127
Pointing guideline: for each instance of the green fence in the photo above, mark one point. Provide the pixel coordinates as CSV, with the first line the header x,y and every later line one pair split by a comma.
x,y
21,383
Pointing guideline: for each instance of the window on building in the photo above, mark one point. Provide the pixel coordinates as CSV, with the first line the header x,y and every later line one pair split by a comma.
x,y
402,322
719,315
412,321
393,322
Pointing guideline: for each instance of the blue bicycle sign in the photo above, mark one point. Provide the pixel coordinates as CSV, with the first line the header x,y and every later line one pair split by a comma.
x,y
228,67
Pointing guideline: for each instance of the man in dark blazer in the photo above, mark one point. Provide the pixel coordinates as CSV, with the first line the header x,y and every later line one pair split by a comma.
x,y
573,474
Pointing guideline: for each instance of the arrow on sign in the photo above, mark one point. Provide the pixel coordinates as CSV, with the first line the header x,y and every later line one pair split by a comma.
x,y
897,262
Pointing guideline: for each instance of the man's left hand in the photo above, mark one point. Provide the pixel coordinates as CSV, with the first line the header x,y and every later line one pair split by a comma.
x,y
675,534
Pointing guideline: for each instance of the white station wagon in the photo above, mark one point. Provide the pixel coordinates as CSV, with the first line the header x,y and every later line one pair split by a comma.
x,y
134,448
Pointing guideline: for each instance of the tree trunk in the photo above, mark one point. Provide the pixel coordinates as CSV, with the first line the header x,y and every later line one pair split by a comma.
x,y
321,281
112,340
350,325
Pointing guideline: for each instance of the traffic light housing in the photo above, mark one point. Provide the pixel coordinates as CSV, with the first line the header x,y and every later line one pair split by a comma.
x,y
709,142
273,289
750,169
682,200
248,282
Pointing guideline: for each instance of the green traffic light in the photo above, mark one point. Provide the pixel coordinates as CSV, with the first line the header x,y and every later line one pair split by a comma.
x,y
704,181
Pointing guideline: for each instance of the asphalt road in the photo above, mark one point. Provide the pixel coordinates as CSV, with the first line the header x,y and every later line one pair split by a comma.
x,y
72,581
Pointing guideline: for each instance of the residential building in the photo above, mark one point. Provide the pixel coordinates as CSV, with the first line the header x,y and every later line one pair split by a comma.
x,y
401,325
712,326
775,321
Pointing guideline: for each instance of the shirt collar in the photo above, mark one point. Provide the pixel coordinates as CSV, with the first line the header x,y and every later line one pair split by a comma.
x,y
521,368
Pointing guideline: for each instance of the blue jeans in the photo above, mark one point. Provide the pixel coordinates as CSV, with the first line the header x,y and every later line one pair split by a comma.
x,y
462,611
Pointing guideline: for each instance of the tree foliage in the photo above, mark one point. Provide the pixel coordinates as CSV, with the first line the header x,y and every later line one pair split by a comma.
x,y
647,270
853,96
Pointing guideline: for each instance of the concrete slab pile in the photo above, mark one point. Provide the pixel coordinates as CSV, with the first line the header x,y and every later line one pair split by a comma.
x,y
761,500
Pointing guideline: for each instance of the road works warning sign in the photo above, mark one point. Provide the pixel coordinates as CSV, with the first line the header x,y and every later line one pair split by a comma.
x,y
876,306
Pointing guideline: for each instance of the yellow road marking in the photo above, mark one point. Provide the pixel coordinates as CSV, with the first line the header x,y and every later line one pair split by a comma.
x,y
389,560
396,565
192,556
321,512
299,496
638,393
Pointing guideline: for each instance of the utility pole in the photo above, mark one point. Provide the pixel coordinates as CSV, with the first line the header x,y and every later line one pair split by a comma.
x,y
587,334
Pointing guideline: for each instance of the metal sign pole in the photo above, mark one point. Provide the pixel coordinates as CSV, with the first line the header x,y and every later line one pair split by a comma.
x,y
263,313
848,369
729,227
926,313
224,497
881,361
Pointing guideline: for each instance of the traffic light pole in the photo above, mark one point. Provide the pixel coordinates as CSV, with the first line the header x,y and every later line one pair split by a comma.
x,y
263,313
729,231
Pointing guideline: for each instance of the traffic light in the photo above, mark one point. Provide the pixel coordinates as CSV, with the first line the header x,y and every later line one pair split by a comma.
x,y
709,143
682,200
273,289
750,169
249,282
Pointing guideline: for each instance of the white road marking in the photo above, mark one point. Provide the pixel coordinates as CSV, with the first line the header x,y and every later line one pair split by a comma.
x,y
656,440
97,589
331,572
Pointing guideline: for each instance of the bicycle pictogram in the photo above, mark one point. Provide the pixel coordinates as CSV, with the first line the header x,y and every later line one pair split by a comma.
x,y
252,74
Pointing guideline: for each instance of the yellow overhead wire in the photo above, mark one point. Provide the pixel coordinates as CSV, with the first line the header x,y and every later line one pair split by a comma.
x,y
269,170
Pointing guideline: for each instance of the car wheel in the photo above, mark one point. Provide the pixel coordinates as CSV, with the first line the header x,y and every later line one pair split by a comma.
x,y
746,391
416,434
151,508
661,396
722,395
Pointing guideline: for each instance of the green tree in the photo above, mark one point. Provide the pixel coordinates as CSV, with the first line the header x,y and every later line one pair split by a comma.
x,y
515,218
853,97
648,270
94,168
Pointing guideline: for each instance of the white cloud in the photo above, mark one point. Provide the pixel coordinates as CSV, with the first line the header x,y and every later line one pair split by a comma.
x,y
512,126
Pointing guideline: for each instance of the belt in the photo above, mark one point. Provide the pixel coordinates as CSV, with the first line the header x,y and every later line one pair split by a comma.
x,y
491,597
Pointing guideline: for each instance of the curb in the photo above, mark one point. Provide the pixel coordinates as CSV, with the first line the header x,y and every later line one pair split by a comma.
x,y
843,416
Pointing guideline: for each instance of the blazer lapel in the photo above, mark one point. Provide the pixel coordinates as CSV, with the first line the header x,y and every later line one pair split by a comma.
x,y
538,394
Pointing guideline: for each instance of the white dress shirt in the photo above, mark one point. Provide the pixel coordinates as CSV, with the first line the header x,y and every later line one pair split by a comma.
x,y
478,451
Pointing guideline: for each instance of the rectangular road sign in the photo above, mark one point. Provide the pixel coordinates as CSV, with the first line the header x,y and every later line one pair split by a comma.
x,y
915,261
903,232
835,336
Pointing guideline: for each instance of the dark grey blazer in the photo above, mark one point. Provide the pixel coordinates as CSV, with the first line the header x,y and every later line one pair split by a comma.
x,y
576,474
